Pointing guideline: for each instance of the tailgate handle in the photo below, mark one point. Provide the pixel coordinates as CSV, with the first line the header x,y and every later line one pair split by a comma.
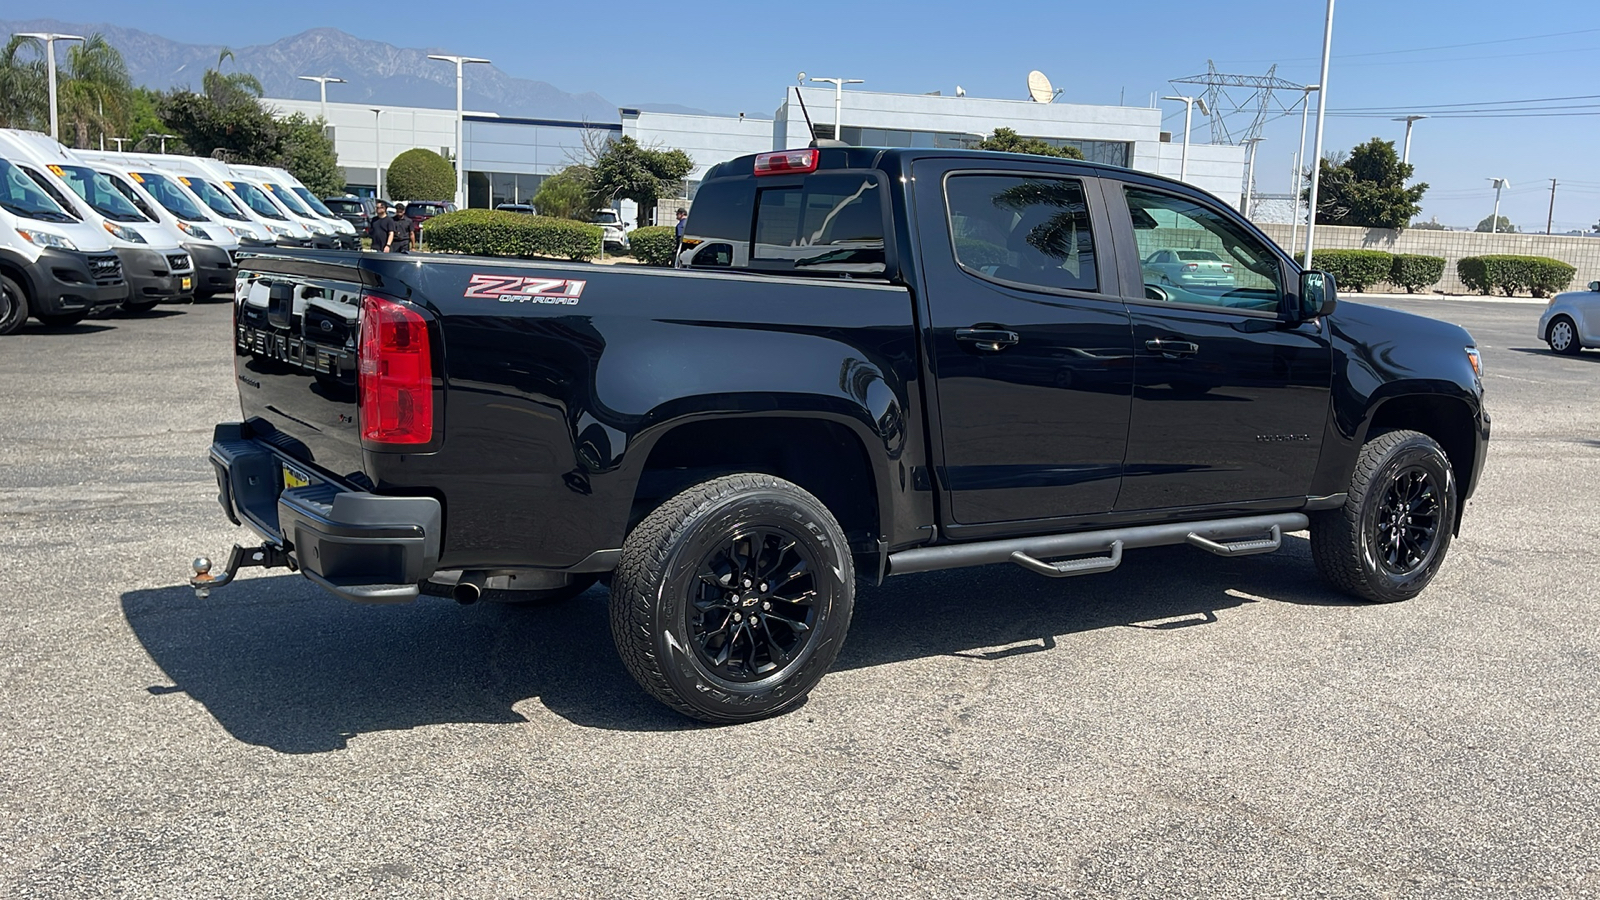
x,y
280,304
991,339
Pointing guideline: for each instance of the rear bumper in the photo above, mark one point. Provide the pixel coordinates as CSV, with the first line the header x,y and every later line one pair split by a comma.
x,y
213,269
358,545
65,282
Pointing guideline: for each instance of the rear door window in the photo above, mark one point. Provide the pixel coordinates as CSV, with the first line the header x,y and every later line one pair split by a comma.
x,y
1024,229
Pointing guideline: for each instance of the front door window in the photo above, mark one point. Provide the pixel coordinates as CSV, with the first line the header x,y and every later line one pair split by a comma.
x,y
1191,254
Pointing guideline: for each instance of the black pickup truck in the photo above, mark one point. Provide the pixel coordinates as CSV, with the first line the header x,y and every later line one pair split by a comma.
x,y
870,362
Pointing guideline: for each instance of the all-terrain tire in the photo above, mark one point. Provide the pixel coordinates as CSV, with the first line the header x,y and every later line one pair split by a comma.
x,y
705,568
1403,484
13,305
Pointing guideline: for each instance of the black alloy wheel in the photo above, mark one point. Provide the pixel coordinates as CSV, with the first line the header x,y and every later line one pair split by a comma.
x,y
755,606
1407,523
1389,539
732,599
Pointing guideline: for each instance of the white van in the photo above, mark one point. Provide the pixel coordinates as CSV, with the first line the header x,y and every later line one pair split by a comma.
x,y
212,249
154,262
197,181
279,186
53,266
249,198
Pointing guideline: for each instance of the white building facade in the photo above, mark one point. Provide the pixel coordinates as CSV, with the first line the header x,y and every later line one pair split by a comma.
x,y
507,158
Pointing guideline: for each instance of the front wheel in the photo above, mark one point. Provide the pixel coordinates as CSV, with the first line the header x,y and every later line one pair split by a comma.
x,y
13,306
732,599
1390,538
1563,337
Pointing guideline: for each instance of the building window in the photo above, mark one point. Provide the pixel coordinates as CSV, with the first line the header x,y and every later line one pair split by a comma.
x,y
487,190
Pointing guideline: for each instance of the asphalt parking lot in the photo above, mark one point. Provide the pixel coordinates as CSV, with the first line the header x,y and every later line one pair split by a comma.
x,y
1187,726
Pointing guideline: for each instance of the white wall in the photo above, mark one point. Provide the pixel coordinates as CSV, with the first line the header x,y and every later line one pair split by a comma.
x,y
359,142
707,139
1218,168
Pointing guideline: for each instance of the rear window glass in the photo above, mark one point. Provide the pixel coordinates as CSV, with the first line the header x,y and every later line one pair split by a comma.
x,y
1197,255
1031,230
831,223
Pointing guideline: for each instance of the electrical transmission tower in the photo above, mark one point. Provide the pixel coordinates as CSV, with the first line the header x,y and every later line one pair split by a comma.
x,y
1230,96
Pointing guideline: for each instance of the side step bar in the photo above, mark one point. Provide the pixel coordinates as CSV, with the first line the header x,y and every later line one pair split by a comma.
x,y
1224,537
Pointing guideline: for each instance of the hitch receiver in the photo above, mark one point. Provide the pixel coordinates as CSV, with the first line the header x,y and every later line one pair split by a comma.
x,y
266,556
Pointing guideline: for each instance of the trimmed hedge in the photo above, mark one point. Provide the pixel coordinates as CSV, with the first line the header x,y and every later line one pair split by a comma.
x,y
654,245
420,174
488,232
1354,270
1414,272
1539,275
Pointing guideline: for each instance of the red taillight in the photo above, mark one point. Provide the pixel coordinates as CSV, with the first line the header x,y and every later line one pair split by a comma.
x,y
786,161
1228,268
396,379
1192,267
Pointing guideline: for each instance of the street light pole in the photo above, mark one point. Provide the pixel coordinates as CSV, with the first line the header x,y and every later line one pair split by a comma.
x,y
1250,176
50,38
1322,115
1494,220
461,172
1188,112
838,102
323,81
1299,161
1405,155
377,152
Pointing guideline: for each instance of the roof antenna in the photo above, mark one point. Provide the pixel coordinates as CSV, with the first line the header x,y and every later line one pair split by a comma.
x,y
805,112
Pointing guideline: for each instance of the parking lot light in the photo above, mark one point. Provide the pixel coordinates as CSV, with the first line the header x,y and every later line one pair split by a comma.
x,y
461,174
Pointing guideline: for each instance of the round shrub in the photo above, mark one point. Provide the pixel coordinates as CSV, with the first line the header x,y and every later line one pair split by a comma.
x,y
1354,270
488,232
655,245
1414,272
420,174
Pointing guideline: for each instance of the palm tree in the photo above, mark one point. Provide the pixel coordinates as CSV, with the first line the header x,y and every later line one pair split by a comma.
x,y
232,89
23,89
95,91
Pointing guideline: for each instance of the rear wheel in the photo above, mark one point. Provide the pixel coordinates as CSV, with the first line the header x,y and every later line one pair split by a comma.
x,y
1390,538
1563,337
13,306
732,599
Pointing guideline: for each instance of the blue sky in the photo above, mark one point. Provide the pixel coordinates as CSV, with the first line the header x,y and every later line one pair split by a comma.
x,y
733,56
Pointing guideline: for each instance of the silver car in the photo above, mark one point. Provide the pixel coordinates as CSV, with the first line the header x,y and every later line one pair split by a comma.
x,y
1572,320
1188,268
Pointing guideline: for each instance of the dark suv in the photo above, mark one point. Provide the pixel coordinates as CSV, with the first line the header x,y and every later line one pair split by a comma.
x,y
358,211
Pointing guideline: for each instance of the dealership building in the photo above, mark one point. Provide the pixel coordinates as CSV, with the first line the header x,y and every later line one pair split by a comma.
x,y
506,158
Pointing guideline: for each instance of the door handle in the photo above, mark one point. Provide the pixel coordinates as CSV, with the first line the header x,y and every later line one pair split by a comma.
x,y
991,339
1172,349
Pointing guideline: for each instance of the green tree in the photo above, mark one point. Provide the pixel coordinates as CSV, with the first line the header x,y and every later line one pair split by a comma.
x,y
1004,140
144,119
94,93
419,174
232,88
566,194
238,133
23,88
627,170
1505,226
1367,188
309,156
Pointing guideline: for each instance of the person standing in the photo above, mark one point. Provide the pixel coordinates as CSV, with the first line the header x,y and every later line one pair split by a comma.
x,y
376,224
683,217
397,231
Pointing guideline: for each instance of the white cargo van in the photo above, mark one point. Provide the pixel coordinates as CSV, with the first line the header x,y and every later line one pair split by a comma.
x,y
252,230
154,262
53,266
279,186
212,249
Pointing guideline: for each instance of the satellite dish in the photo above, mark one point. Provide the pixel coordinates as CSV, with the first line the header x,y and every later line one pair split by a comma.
x,y
960,91
801,78
1039,87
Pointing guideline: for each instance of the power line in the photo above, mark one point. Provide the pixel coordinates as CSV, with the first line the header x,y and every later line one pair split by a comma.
x,y
1531,37
1441,106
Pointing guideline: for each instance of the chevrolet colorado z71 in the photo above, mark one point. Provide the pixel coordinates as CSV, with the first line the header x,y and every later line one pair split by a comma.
x,y
871,362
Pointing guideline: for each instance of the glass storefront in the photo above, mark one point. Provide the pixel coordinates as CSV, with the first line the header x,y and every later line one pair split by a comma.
x,y
486,190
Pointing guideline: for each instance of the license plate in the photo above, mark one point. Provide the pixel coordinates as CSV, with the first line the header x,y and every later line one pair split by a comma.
x,y
188,283
294,478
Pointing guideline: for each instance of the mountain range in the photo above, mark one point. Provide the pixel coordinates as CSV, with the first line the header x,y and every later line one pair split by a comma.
x,y
377,73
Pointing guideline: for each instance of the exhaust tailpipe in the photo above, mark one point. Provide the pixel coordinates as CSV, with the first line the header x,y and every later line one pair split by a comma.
x,y
470,587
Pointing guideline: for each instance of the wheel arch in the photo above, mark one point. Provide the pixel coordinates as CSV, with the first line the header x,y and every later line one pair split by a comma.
x,y
1450,421
20,270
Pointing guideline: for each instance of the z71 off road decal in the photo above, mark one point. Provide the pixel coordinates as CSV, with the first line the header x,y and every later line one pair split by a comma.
x,y
519,289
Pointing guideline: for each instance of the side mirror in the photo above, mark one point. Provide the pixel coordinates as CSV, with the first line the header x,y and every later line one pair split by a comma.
x,y
1318,295
1594,286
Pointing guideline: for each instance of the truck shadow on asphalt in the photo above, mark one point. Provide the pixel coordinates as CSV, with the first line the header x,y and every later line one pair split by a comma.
x,y
280,664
